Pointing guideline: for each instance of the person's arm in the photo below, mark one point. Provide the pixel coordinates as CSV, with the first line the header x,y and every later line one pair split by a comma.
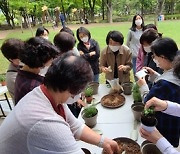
x,y
164,106
129,37
140,59
108,145
162,144
103,62
83,132
173,109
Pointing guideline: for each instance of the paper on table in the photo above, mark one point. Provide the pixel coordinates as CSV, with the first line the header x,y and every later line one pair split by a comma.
x,y
134,132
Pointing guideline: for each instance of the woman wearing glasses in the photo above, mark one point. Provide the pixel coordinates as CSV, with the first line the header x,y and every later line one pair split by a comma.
x,y
165,87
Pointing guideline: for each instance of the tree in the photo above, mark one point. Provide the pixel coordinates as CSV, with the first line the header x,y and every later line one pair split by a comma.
x,y
8,13
92,5
158,11
109,10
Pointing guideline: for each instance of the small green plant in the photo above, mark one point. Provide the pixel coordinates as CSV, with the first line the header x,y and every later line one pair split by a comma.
x,y
149,111
2,77
136,93
90,111
88,91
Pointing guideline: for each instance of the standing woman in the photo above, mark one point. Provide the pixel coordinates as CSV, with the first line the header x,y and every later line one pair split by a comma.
x,y
133,37
42,32
89,49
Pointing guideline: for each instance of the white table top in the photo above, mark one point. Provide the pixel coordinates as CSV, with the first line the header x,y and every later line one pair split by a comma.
x,y
3,89
112,122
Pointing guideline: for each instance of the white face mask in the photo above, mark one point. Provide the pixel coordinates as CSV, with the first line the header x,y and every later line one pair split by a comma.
x,y
114,48
46,37
43,71
147,49
85,39
71,100
138,22
156,61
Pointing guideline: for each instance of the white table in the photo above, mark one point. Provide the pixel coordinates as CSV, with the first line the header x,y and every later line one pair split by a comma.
x,y
112,122
3,91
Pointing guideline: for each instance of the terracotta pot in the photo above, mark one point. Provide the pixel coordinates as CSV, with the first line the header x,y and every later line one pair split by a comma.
x,y
3,83
92,121
95,86
137,108
127,87
89,99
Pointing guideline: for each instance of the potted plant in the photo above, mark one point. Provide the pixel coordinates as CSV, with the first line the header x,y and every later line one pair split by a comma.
x,y
89,114
3,79
136,93
88,94
148,119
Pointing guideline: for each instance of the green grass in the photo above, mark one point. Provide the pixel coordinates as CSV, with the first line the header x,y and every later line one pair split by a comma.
x,y
98,32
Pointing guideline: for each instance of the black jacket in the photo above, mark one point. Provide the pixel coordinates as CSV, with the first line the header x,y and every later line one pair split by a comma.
x,y
93,60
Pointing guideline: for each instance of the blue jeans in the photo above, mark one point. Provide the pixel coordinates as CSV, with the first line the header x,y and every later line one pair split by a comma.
x,y
96,78
134,67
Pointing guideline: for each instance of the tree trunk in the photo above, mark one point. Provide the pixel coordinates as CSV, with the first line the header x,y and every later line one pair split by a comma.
x,y
103,9
159,8
109,11
92,5
8,20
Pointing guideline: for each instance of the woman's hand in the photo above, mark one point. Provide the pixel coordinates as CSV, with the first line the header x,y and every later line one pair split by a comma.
x,y
81,52
159,105
153,136
106,69
150,71
141,82
110,146
92,53
122,68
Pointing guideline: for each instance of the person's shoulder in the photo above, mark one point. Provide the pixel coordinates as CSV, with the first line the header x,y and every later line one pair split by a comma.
x,y
104,51
125,48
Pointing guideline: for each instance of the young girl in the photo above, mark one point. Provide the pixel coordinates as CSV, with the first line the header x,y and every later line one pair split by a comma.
x,y
89,49
133,37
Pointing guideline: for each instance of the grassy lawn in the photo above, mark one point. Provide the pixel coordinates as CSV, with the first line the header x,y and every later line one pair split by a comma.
x,y
98,32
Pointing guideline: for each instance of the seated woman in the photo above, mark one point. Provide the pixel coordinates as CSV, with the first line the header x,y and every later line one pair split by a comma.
x,y
11,49
116,56
89,49
42,32
41,123
38,53
165,87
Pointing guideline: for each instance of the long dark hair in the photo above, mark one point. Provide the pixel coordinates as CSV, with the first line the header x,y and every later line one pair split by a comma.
x,y
133,27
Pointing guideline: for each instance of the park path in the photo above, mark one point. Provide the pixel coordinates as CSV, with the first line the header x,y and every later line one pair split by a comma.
x,y
4,33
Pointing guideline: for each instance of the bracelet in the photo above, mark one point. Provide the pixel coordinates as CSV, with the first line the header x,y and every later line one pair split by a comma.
x,y
100,144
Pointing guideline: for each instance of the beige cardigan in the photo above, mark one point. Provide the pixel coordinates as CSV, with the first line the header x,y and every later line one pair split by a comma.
x,y
124,57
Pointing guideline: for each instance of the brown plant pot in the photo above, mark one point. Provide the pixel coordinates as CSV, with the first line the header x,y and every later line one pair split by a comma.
x,y
89,99
3,83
